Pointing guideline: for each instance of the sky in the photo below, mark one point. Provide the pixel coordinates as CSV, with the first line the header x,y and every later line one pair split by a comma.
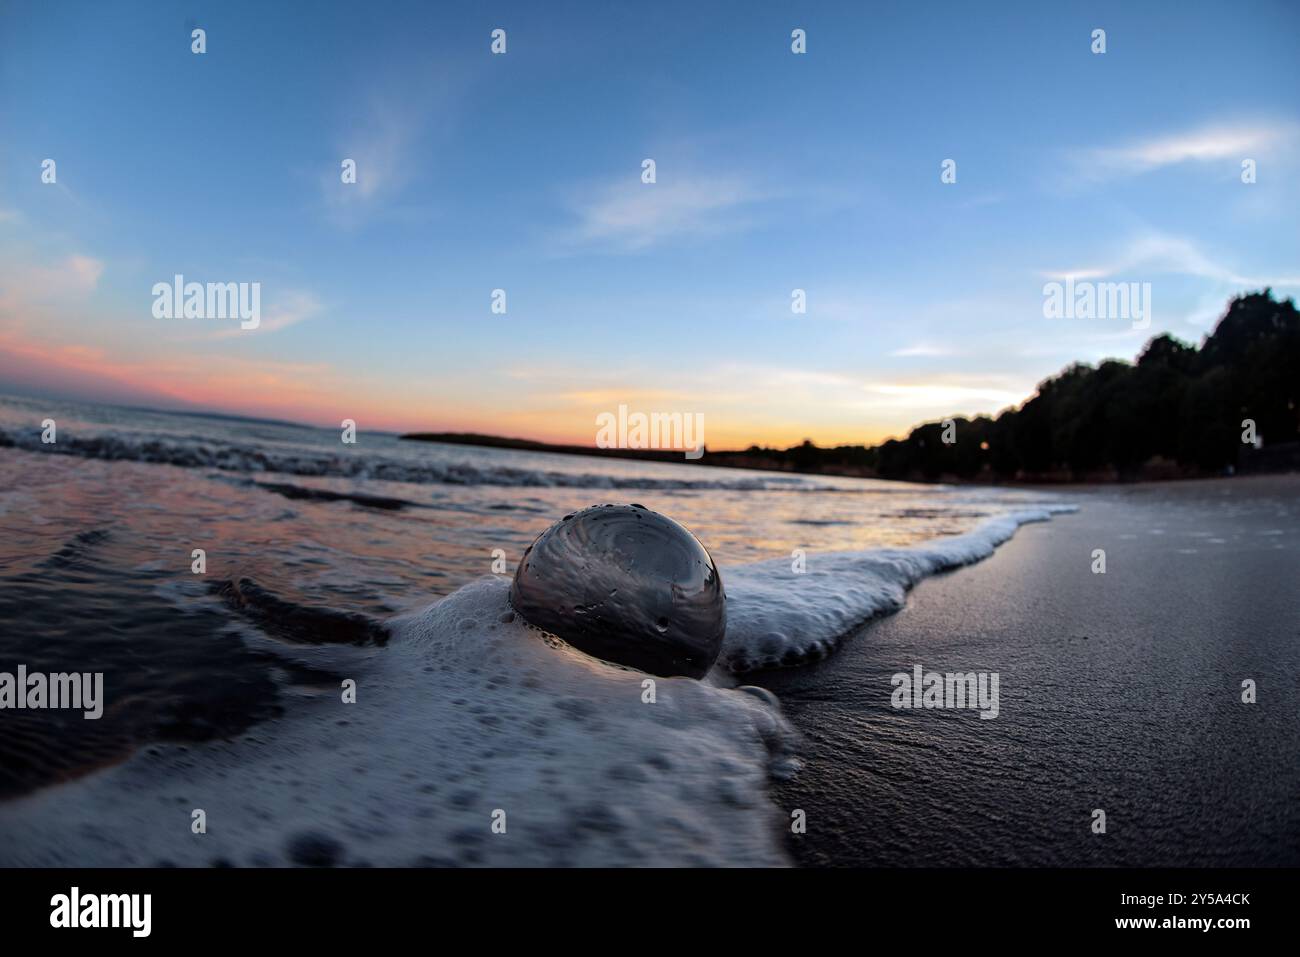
x,y
522,171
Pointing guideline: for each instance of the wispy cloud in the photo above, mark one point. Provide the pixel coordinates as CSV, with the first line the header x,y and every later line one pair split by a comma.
x,y
1203,144
72,277
390,133
1154,253
84,271
208,379
290,309
381,148
950,394
628,215
921,350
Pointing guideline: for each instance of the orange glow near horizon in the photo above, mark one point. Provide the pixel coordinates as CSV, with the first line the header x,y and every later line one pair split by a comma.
x,y
299,393
769,406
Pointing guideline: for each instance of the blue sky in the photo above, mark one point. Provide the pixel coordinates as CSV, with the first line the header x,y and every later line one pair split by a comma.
x,y
775,171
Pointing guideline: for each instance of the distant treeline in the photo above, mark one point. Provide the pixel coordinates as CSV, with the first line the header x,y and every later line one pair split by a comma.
x,y
1176,412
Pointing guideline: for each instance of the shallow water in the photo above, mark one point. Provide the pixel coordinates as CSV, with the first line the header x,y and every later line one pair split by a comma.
x,y
309,543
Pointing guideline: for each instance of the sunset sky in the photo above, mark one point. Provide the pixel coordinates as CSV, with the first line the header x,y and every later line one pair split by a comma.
x,y
522,171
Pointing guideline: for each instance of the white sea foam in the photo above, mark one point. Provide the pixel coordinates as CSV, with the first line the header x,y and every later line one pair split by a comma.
x,y
778,616
463,713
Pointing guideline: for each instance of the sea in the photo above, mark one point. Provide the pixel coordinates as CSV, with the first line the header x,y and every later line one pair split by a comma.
x,y
308,654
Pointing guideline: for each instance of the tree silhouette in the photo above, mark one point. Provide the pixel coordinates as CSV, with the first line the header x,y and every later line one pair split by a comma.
x,y
1176,410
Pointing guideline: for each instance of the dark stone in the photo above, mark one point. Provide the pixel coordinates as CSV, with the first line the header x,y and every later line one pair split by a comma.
x,y
626,585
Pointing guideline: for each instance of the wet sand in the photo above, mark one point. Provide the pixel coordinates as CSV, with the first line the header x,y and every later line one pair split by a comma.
x,y
1119,691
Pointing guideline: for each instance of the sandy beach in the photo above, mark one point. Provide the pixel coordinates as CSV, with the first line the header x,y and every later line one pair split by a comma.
x,y
1119,691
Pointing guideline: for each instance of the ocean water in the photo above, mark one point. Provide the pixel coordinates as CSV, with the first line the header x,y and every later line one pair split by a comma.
x,y
386,563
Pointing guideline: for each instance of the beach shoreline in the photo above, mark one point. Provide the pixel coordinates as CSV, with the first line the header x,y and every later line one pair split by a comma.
x,y
1120,691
